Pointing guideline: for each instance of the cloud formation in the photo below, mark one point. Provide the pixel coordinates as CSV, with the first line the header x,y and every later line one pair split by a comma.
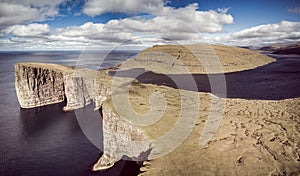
x,y
150,22
279,29
285,31
19,11
93,32
98,7
295,10
31,30
185,19
138,32
163,24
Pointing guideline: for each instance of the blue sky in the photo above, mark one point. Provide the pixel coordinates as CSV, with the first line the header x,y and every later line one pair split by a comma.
x,y
245,13
78,24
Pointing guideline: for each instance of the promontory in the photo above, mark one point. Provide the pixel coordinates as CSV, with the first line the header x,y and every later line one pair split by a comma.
x,y
175,130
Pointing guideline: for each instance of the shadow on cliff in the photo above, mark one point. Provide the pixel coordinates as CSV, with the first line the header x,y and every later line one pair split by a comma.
x,y
126,166
275,81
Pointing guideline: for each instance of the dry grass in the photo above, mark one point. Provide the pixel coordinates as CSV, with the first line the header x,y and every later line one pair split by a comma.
x,y
199,58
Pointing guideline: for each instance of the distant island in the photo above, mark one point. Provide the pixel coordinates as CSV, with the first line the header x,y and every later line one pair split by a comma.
x,y
257,137
282,48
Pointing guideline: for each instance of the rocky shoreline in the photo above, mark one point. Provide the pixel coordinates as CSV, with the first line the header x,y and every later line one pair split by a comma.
x,y
39,84
256,136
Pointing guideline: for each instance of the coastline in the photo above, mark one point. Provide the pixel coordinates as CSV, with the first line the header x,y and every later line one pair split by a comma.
x,y
235,119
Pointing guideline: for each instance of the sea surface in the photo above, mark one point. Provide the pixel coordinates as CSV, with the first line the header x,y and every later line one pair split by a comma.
x,y
46,141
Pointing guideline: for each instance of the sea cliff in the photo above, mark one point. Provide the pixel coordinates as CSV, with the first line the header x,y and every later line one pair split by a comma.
x,y
256,137
39,84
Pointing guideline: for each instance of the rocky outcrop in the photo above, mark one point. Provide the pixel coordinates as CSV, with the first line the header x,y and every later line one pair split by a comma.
x,y
40,84
37,86
79,91
101,92
43,84
118,140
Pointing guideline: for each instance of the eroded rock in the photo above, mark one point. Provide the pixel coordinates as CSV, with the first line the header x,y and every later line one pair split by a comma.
x,y
36,86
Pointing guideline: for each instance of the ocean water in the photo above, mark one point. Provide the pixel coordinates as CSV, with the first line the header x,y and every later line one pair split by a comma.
x,y
46,141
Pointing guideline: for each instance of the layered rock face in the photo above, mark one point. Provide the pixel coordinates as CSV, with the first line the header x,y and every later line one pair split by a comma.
x,y
102,90
38,86
118,140
79,91
44,84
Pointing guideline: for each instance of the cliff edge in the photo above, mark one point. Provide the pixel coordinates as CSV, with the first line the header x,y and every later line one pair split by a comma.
x,y
39,84
254,137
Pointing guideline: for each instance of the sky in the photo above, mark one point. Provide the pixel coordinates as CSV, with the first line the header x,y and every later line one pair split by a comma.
x,y
138,24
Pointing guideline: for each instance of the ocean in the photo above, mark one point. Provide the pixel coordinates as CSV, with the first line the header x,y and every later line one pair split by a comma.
x,y
46,141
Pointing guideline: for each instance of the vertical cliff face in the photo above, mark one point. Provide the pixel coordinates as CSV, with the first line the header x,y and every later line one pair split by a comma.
x,y
43,84
40,84
79,91
102,90
37,86
119,140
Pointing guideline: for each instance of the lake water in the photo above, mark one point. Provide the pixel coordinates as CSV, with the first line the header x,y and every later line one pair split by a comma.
x,y
275,81
45,140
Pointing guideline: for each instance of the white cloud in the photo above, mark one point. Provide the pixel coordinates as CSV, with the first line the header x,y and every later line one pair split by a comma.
x,y
165,18
139,32
285,31
97,7
14,13
199,21
94,31
31,30
223,10
20,11
294,10
163,24
171,24
86,30
267,30
175,24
